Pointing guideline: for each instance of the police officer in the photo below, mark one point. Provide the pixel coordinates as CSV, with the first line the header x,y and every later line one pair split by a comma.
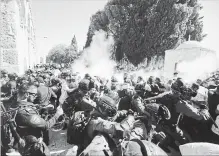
x,y
28,120
178,103
100,123
213,101
155,90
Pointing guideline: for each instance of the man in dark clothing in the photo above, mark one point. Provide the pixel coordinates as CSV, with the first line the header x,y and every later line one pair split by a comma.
x,y
177,101
160,85
126,98
28,120
155,90
213,101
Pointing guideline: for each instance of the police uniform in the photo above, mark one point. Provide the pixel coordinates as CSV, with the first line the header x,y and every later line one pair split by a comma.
x,y
29,121
100,124
176,107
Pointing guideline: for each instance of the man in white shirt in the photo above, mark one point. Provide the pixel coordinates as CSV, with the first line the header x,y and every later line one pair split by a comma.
x,y
202,94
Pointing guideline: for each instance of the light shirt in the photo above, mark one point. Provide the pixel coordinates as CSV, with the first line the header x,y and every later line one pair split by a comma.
x,y
202,94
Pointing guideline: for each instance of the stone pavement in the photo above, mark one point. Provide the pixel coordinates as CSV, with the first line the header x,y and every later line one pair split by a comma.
x,y
59,146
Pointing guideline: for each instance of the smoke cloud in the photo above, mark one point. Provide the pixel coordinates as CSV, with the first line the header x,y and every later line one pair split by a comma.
x,y
200,68
95,59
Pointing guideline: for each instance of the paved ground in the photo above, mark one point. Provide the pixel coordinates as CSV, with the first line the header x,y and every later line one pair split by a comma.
x,y
58,145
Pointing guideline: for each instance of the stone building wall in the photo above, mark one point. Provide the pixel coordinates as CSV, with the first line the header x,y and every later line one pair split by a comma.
x,y
17,37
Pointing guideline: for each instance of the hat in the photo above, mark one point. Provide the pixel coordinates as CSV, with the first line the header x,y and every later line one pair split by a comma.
x,y
87,75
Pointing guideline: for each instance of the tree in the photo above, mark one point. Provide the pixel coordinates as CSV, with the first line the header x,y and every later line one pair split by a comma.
x,y
74,44
57,54
147,28
64,54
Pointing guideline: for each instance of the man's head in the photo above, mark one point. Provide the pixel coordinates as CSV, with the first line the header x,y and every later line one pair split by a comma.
x,y
178,85
140,78
175,74
65,73
68,78
195,87
191,91
31,80
22,91
27,92
12,87
84,86
157,80
32,93
40,81
87,76
12,77
73,78
140,88
114,79
170,82
4,74
151,80
55,81
125,75
199,81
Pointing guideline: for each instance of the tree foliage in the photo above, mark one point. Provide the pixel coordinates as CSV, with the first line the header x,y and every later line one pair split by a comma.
x,y
146,28
64,54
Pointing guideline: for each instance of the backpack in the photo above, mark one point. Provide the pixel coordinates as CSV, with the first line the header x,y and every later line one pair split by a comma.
x,y
76,130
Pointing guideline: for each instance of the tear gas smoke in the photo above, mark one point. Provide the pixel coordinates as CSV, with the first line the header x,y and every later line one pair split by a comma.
x,y
95,59
199,68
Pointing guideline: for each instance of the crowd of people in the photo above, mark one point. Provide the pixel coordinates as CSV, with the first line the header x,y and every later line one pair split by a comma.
x,y
105,117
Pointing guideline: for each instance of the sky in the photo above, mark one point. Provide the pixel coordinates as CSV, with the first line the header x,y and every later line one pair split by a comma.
x,y
60,20
57,21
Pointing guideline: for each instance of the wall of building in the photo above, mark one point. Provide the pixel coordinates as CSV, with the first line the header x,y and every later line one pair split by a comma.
x,y
17,37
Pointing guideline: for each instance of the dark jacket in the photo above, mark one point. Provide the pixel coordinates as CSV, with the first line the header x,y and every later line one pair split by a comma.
x,y
29,122
213,101
177,106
